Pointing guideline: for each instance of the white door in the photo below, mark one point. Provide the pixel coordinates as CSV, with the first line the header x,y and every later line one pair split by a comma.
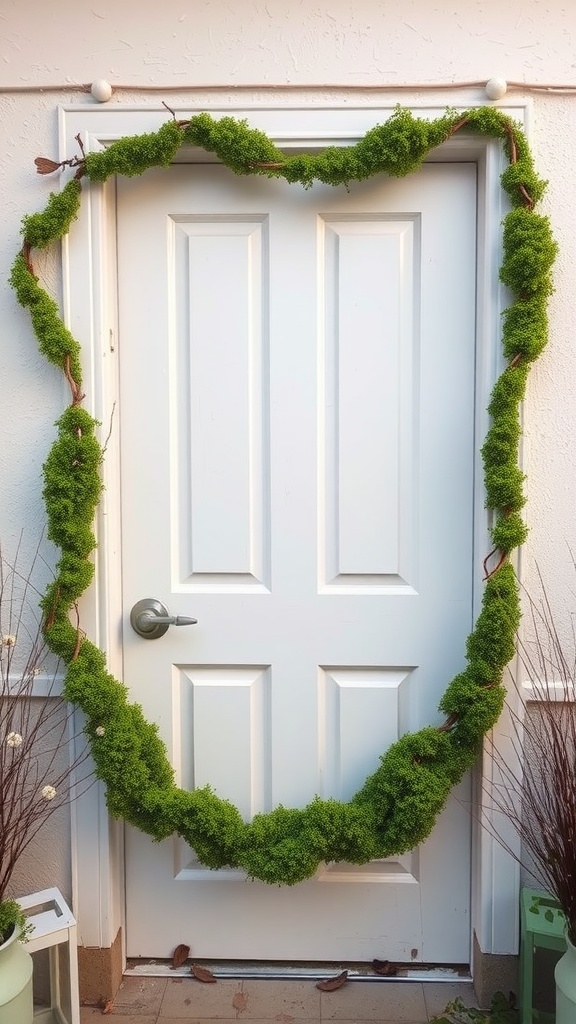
x,y
297,398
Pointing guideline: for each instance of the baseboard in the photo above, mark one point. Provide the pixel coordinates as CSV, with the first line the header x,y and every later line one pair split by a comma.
x,y
100,972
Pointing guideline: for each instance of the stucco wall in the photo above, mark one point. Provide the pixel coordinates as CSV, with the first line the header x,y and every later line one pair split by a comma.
x,y
266,42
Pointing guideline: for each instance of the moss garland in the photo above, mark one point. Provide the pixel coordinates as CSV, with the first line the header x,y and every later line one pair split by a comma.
x,y
398,804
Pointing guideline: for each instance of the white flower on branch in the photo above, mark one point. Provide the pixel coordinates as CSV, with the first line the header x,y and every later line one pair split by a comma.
x,y
100,730
14,739
48,792
8,640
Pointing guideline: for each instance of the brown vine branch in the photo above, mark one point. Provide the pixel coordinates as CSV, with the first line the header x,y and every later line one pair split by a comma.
x,y
77,395
26,250
530,202
79,634
448,724
52,613
459,124
503,558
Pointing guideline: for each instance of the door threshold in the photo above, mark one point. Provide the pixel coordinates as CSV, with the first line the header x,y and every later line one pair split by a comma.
x,y
299,971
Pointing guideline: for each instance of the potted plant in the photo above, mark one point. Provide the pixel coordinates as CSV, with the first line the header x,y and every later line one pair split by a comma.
x,y
36,771
535,789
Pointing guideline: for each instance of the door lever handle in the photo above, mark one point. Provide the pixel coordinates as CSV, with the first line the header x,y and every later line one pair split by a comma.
x,y
151,619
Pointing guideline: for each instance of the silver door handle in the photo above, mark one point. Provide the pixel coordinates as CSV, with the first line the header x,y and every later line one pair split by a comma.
x,y
151,619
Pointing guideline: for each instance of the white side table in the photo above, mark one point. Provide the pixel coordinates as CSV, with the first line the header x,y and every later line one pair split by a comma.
x,y
54,927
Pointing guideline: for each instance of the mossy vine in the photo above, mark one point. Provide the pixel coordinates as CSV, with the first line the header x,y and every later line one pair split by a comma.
x,y
398,804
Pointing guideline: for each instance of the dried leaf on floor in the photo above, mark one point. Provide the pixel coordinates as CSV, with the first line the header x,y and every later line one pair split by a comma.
x,y
240,1001
108,1006
331,984
203,974
180,955
384,968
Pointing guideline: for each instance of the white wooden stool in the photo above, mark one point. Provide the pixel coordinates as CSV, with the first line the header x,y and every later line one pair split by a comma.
x,y
53,927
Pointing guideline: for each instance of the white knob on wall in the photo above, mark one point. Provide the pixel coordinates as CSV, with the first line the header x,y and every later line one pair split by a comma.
x,y
101,90
496,88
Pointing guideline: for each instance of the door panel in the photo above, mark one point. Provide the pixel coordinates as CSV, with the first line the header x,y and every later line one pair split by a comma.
x,y
297,401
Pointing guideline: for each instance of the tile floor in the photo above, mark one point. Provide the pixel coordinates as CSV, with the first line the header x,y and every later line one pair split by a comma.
x,y
187,1001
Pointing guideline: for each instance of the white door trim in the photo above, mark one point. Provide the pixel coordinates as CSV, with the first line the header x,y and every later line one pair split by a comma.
x,y
89,269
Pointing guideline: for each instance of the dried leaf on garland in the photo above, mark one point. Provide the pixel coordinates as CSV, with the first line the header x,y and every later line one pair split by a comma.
x,y
180,955
331,984
203,974
45,166
384,968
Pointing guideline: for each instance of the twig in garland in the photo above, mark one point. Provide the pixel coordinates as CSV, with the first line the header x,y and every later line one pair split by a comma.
x,y
26,250
456,127
77,395
80,634
448,724
530,202
51,616
267,165
488,573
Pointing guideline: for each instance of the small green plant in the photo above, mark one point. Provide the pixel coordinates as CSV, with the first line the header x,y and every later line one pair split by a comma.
x,y
502,1011
11,916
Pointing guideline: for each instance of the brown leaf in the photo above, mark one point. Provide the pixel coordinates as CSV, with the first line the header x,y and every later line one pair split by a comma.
x,y
240,1001
203,974
108,1007
45,166
384,968
331,984
180,956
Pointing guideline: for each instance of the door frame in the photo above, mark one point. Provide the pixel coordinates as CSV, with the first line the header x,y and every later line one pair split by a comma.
x,y
90,311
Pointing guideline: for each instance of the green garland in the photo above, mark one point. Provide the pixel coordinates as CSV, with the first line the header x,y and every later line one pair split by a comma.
x,y
397,806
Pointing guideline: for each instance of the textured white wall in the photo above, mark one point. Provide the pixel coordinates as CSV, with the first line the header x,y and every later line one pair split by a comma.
x,y
346,42
207,41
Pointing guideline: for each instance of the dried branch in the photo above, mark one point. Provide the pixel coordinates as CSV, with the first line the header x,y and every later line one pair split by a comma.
x,y
535,789
38,772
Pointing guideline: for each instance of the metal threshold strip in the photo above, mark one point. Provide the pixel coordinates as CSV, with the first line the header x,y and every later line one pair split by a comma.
x,y
276,970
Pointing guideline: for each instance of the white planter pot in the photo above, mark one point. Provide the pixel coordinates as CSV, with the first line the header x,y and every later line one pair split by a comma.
x,y
565,976
16,1006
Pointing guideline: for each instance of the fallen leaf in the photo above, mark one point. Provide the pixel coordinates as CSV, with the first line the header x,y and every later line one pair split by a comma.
x,y
46,166
240,1001
384,968
108,1007
180,955
203,974
331,984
